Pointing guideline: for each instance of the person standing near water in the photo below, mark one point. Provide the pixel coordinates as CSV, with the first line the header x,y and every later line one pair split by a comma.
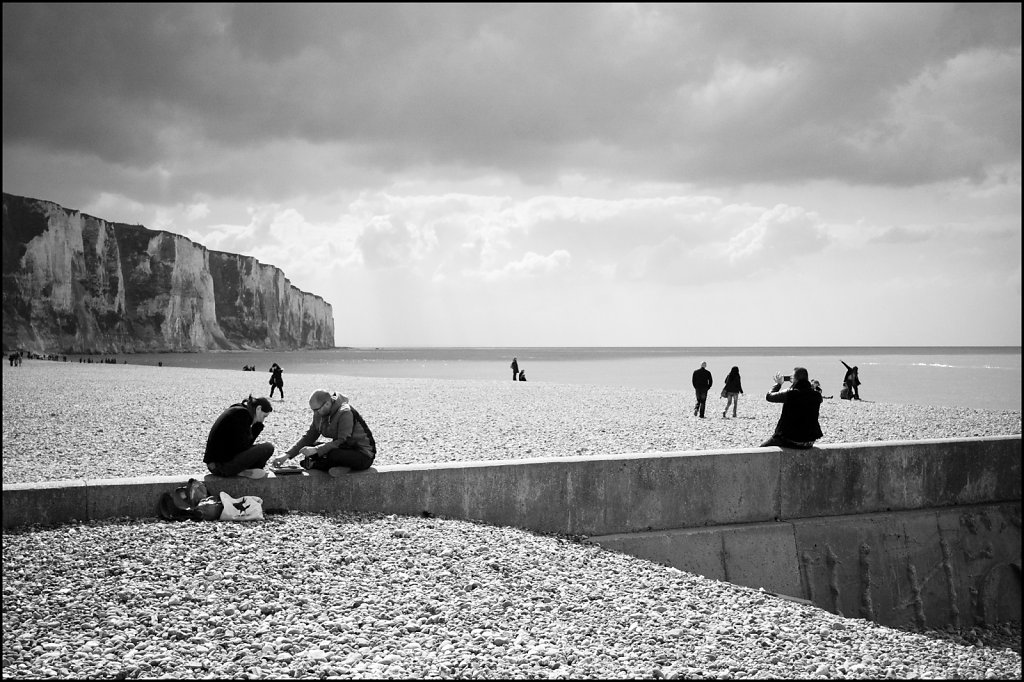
x,y
851,381
701,384
732,391
276,380
515,369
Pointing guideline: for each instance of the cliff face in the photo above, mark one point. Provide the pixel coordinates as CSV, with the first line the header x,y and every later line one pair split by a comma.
x,y
77,284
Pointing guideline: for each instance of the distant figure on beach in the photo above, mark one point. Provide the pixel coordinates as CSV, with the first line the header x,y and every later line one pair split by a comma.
x,y
522,375
816,385
701,384
732,390
515,369
230,449
798,426
349,444
851,381
276,380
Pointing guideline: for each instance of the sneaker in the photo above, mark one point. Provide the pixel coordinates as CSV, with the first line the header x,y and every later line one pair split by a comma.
x,y
253,473
337,472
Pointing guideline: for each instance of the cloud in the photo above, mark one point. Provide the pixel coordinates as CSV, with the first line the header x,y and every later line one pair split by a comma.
x,y
530,265
689,93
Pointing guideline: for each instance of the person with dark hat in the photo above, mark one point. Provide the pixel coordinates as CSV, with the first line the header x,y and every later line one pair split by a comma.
x,y
230,448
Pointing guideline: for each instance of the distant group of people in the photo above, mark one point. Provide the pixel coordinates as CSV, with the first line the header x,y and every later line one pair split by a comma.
x,y
518,374
798,425
338,439
16,357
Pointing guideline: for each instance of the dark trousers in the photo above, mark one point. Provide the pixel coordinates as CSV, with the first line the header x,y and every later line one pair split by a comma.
x,y
255,457
782,442
702,399
279,388
515,375
356,460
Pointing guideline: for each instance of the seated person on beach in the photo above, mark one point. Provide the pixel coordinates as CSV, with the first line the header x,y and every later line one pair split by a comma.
x,y
798,426
349,443
817,387
230,449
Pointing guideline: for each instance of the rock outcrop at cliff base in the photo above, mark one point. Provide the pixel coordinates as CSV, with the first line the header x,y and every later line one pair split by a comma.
x,y
73,283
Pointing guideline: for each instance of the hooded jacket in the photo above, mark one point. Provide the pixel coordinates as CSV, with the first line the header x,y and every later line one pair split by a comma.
x,y
234,431
337,427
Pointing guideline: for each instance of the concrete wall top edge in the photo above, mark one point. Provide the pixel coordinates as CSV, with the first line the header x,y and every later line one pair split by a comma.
x,y
182,478
48,485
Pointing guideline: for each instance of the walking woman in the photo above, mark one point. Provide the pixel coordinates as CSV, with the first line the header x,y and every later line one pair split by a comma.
x,y
732,391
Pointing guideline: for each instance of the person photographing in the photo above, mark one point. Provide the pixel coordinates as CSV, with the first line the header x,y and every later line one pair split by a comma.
x,y
798,426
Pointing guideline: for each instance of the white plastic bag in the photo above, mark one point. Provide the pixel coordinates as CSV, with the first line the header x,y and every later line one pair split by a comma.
x,y
247,508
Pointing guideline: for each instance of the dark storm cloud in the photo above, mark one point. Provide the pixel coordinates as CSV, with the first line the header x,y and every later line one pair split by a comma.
x,y
886,94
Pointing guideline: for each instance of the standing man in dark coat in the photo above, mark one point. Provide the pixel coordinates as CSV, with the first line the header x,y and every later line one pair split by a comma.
x,y
701,384
515,369
798,426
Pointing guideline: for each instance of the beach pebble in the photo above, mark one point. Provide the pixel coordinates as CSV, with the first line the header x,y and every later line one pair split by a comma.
x,y
310,595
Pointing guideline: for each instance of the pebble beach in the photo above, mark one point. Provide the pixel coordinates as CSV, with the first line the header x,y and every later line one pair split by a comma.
x,y
373,596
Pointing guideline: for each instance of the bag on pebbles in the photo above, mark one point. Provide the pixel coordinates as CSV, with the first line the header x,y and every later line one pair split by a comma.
x,y
189,502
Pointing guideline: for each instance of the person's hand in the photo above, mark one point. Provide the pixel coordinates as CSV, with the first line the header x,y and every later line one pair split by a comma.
x,y
307,451
278,461
778,378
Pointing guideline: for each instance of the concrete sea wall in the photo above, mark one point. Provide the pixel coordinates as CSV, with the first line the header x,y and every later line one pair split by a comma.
x,y
924,533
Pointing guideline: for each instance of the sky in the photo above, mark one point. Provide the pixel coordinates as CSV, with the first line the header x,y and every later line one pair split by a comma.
x,y
554,175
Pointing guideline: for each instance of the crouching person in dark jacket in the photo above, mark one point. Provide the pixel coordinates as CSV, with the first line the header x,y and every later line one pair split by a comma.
x,y
231,448
798,426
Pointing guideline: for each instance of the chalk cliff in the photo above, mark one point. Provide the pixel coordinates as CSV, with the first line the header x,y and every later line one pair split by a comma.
x,y
73,283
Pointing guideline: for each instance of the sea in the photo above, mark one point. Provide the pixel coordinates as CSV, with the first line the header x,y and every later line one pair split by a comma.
x,y
985,377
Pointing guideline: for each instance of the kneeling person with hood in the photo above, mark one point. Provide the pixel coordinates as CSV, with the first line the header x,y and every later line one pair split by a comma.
x,y
349,442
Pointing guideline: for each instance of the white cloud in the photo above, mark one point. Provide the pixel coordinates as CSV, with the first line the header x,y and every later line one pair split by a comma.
x,y
530,265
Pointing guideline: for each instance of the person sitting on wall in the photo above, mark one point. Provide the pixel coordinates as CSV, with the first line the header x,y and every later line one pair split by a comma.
x,y
349,443
230,449
798,426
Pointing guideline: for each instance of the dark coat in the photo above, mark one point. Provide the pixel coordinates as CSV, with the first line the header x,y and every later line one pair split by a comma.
x,y
732,384
233,432
800,405
702,379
